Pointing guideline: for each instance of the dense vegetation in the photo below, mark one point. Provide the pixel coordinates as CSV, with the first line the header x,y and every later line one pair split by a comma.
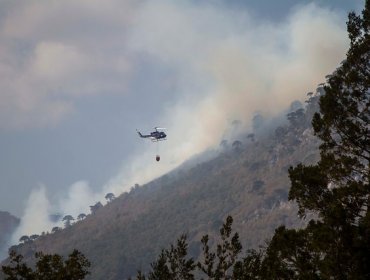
x,y
336,244
47,267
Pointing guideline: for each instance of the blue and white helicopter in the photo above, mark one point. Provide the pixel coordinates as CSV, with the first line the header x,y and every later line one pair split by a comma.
x,y
155,136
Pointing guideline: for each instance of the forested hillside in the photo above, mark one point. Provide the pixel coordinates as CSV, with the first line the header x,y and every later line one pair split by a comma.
x,y
248,180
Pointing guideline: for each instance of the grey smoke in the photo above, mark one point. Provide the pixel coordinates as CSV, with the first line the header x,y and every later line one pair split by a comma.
x,y
226,65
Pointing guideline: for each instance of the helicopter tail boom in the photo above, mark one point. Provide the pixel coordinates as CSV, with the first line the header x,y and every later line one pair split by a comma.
x,y
142,136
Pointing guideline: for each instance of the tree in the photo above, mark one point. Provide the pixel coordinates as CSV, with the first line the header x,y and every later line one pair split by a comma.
x,y
250,267
110,197
218,265
237,145
55,229
172,264
251,137
257,122
48,267
67,220
343,127
81,217
17,269
297,119
280,133
34,237
95,207
24,239
139,276
336,245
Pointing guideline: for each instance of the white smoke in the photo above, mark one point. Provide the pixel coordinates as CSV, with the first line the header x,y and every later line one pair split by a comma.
x,y
36,216
227,64
236,65
38,211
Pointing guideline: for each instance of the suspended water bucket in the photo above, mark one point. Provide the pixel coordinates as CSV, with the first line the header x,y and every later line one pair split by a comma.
x,y
157,158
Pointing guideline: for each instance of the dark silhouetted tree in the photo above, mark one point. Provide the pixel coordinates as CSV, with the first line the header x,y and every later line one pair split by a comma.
x,y
250,267
297,119
34,237
219,264
24,238
237,145
81,217
251,137
55,229
95,207
172,264
110,197
48,267
67,220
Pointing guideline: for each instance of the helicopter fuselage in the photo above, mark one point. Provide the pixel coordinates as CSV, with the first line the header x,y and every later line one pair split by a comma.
x,y
154,136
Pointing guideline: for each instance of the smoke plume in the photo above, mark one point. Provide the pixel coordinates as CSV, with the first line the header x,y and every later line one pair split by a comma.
x,y
226,65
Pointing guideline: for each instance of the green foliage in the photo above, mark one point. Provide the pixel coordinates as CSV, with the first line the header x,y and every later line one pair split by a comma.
x,y
289,256
339,182
17,269
48,267
337,188
250,267
220,264
217,265
172,264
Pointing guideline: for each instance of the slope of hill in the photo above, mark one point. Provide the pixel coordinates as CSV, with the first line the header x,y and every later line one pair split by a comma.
x,y
8,224
247,179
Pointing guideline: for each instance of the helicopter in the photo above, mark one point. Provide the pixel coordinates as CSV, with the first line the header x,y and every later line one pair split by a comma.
x,y
155,136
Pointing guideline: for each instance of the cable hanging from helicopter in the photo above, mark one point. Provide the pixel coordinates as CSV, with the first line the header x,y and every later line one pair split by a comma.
x,y
155,136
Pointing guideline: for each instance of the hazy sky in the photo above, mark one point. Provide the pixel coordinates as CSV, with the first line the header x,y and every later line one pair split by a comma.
x,y
78,77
